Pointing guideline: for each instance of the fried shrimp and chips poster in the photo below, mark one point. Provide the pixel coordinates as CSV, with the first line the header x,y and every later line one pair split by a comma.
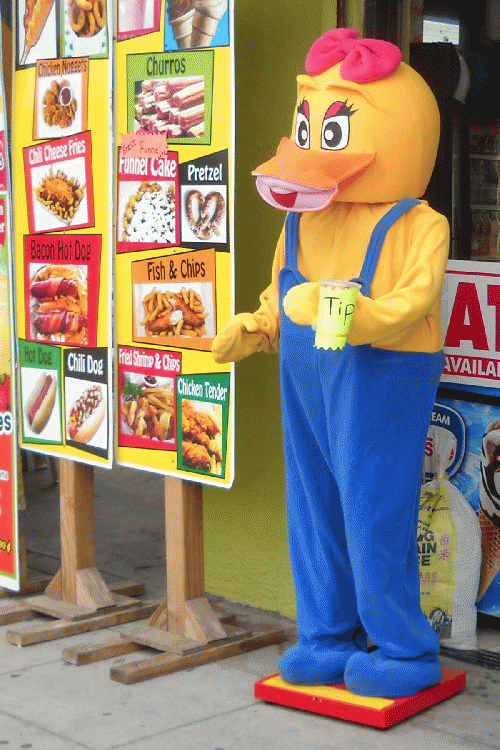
x,y
123,229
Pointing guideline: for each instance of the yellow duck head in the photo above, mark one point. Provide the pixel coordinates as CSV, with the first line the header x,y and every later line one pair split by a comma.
x,y
365,129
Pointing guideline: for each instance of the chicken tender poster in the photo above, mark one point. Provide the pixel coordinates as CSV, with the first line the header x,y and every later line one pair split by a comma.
x,y
63,188
174,237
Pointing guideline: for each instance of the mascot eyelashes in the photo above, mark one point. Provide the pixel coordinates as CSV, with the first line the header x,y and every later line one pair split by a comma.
x,y
363,146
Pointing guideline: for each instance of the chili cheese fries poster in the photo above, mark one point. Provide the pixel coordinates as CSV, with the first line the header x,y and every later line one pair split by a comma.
x,y
63,186
174,239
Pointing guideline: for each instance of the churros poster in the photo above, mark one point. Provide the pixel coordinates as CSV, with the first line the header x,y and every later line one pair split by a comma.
x,y
174,240
9,540
63,183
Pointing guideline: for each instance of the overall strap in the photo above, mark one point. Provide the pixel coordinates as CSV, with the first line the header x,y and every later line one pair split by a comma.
x,y
377,240
291,239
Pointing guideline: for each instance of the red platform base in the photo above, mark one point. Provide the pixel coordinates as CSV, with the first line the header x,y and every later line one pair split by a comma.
x,y
336,701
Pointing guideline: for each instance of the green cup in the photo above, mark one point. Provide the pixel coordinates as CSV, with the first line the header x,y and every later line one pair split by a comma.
x,y
337,302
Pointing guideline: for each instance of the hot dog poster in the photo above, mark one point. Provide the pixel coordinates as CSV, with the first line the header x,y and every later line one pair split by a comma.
x,y
62,151
9,558
174,244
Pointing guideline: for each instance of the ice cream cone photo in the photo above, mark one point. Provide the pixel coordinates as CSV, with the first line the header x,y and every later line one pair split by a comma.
x,y
207,15
490,542
489,508
180,18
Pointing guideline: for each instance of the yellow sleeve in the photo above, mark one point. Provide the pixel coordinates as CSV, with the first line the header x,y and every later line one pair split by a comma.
x,y
268,314
416,291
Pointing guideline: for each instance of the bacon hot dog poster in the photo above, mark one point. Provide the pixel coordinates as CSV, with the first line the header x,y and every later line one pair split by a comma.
x,y
63,183
174,241
9,557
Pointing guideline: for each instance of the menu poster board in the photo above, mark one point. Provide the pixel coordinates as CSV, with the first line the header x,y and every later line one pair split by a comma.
x,y
174,241
9,540
63,226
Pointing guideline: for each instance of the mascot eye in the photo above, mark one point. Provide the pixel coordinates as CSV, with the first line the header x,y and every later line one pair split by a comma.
x,y
302,127
335,132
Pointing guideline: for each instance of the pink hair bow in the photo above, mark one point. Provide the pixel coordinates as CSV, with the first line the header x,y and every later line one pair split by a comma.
x,y
364,60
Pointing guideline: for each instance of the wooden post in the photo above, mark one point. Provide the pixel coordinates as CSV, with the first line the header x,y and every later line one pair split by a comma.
x,y
77,524
184,540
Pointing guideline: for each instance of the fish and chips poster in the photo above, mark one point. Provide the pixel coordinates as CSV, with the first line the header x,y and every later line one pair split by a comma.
x,y
174,239
9,539
63,182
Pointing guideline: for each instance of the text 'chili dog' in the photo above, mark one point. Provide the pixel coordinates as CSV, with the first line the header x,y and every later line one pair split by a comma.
x,y
86,415
39,405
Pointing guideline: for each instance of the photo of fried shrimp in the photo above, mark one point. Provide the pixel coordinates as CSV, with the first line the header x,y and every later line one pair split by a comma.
x,y
60,194
202,436
147,407
87,17
59,105
59,304
169,313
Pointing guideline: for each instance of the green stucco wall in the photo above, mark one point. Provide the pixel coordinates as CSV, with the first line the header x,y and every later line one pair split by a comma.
x,y
246,556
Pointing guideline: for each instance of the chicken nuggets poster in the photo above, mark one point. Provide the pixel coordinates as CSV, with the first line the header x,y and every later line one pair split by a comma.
x,y
174,246
63,187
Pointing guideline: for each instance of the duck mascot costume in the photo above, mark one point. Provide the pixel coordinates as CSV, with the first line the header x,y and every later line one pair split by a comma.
x,y
364,140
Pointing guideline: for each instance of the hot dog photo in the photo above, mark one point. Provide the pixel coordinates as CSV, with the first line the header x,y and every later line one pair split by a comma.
x,y
58,304
40,404
86,409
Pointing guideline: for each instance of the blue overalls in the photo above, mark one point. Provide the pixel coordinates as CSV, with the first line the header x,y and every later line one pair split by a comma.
x,y
355,424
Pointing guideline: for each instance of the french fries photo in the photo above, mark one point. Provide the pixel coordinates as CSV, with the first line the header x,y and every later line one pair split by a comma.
x,y
61,195
169,313
147,409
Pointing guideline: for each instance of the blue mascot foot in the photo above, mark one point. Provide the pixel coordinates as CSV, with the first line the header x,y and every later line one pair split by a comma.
x,y
376,675
315,665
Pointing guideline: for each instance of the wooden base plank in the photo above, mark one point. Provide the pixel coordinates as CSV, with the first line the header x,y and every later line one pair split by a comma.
x,y
161,640
32,586
336,701
127,588
62,610
15,612
39,633
155,666
91,652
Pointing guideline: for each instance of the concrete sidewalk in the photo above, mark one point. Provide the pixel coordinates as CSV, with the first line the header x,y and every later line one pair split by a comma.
x,y
46,704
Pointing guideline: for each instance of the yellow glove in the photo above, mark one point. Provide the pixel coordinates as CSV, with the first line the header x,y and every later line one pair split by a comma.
x,y
301,303
240,337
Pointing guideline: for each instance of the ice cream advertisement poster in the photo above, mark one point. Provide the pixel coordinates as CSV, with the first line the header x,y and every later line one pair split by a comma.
x,y
477,477
470,303
63,192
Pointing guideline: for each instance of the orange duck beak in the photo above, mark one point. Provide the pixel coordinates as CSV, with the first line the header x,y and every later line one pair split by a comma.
x,y
300,180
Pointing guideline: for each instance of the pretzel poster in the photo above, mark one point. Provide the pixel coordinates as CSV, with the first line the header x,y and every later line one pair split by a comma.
x,y
62,151
174,239
9,491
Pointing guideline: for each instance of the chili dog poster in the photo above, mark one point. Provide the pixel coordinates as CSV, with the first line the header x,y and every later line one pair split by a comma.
x,y
9,540
174,239
63,185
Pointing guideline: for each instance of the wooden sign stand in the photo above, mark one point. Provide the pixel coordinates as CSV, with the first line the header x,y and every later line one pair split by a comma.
x,y
185,626
77,595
